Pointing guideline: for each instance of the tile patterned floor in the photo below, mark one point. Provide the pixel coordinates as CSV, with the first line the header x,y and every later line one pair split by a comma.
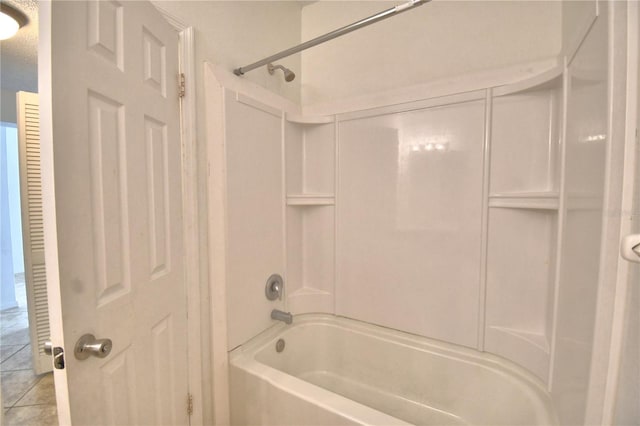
x,y
28,399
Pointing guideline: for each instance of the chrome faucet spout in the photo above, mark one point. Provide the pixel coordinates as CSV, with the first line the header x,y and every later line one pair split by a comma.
x,y
285,317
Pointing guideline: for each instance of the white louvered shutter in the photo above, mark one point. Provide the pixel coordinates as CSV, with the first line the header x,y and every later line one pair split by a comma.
x,y
32,227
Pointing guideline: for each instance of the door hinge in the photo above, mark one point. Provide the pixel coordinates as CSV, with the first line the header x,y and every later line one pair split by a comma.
x,y
189,404
181,85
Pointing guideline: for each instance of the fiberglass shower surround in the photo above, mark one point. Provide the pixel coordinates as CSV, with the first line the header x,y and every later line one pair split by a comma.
x,y
457,213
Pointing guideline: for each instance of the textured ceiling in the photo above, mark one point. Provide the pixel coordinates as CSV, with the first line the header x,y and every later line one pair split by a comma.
x,y
19,54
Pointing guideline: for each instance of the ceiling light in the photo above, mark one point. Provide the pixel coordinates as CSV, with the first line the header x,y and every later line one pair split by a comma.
x,y
11,20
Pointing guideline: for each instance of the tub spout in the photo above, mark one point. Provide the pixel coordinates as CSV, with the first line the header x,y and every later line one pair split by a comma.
x,y
282,316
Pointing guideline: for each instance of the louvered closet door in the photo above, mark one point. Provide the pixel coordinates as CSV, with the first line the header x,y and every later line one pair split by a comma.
x,y
32,230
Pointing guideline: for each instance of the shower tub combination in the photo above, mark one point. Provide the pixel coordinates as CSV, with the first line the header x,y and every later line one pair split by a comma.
x,y
337,371
329,370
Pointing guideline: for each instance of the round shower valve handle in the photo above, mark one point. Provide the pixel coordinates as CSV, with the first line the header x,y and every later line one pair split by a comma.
x,y
273,288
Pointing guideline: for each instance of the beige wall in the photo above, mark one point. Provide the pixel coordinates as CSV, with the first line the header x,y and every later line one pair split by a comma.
x,y
577,17
8,106
434,41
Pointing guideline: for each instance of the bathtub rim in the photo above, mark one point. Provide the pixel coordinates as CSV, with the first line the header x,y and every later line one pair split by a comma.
x,y
245,357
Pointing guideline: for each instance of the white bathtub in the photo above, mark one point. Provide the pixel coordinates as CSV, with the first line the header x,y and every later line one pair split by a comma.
x,y
337,371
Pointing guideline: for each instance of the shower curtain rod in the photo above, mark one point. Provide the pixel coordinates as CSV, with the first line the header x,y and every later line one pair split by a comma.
x,y
333,34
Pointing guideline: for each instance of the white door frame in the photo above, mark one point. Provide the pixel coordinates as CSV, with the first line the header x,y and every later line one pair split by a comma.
x,y
186,55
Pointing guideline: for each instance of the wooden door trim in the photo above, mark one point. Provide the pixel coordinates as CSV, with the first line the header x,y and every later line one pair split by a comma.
x,y
193,281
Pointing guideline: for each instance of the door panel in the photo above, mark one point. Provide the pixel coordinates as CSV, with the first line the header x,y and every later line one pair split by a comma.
x,y
118,210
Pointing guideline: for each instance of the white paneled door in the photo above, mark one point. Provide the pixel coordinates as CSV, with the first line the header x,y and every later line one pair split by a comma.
x,y
113,210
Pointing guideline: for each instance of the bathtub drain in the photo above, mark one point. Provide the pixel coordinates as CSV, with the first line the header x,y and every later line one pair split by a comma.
x,y
280,345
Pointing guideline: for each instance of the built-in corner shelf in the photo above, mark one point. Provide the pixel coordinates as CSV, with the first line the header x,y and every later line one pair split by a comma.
x,y
525,200
304,119
311,200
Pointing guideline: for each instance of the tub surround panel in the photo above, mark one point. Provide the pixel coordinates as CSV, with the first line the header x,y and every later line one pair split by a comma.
x,y
382,216
253,137
294,156
586,145
409,209
318,159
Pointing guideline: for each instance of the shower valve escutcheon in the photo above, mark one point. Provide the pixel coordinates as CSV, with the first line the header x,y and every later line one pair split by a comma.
x,y
274,287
